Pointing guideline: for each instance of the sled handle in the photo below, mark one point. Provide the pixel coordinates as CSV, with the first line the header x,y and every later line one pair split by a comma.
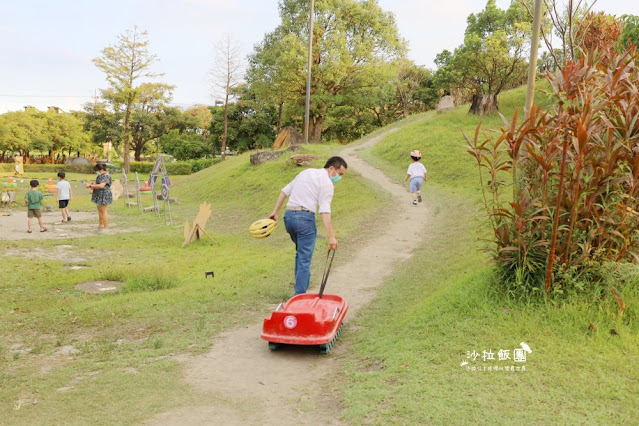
x,y
327,270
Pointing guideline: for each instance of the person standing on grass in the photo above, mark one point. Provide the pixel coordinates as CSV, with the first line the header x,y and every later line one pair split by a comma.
x,y
64,196
310,188
101,196
418,175
33,200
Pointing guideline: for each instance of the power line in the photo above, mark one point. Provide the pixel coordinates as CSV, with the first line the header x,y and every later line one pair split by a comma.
x,y
4,95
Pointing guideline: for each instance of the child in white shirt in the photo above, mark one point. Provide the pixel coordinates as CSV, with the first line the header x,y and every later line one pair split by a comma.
x,y
64,196
417,175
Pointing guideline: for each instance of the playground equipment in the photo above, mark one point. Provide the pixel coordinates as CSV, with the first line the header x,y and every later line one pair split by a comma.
x,y
9,185
192,234
139,190
50,187
147,186
116,189
308,319
127,195
159,170
8,192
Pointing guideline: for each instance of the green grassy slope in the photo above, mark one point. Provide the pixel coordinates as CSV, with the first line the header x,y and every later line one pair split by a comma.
x,y
123,345
405,362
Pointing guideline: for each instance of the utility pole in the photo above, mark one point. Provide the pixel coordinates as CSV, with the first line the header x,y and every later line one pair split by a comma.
x,y
307,112
532,65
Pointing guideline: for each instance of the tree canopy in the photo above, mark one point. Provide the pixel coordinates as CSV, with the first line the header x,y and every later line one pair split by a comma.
x,y
52,132
493,56
354,42
125,63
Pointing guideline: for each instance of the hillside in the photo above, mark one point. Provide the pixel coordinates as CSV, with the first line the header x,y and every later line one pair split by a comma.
x,y
445,366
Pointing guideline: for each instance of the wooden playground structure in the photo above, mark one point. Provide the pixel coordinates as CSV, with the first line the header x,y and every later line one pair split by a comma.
x,y
150,187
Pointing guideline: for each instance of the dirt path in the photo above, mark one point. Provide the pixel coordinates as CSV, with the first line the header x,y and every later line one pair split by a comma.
x,y
254,386
13,226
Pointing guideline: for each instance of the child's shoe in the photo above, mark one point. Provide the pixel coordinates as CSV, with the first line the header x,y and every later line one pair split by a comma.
x,y
414,203
419,197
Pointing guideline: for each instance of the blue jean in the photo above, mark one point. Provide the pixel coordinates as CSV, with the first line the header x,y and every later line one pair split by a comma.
x,y
416,183
301,226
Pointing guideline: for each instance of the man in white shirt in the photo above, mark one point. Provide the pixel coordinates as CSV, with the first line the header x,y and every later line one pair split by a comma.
x,y
310,188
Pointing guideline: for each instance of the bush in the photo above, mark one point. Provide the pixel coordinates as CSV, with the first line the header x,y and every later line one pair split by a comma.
x,y
78,168
176,168
574,176
197,165
49,168
144,168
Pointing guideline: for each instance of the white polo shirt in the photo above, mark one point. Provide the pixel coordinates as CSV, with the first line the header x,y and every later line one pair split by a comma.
x,y
309,189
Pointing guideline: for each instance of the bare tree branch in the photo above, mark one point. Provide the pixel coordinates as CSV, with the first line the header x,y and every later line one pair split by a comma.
x,y
226,75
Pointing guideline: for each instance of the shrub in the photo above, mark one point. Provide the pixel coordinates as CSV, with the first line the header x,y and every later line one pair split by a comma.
x,y
176,168
48,168
197,165
144,167
574,174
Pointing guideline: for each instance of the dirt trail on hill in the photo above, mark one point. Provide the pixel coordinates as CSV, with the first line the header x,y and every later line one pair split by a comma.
x,y
254,386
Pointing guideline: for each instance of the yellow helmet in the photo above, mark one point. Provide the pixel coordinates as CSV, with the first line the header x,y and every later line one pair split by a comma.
x,y
262,228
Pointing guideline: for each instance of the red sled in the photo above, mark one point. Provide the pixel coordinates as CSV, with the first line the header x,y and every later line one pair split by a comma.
x,y
307,319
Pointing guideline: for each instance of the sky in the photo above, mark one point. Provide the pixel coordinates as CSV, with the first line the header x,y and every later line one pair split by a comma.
x,y
46,47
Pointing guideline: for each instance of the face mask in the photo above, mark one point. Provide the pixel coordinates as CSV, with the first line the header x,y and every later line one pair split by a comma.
x,y
336,178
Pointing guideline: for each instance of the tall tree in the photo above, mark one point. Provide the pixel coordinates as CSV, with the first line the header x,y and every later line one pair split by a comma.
x,y
52,132
493,56
23,131
561,19
408,80
352,41
270,74
630,34
124,64
226,75
151,116
102,123
64,132
251,124
192,137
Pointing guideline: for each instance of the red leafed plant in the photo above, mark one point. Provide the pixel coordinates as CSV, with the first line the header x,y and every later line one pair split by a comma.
x,y
574,172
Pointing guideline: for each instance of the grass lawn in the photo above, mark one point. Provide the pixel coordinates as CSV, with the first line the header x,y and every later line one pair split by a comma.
x,y
113,358
404,365
71,357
